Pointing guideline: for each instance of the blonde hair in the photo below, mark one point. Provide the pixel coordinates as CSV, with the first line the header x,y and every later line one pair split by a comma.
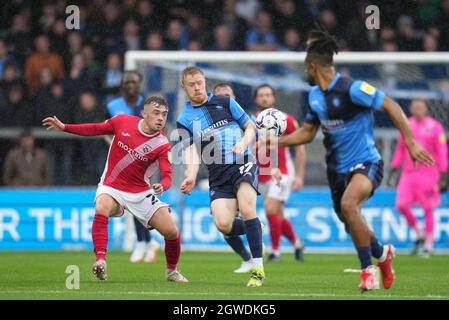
x,y
190,71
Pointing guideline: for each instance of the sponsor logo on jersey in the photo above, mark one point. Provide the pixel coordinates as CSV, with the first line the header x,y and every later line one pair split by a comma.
x,y
132,152
367,88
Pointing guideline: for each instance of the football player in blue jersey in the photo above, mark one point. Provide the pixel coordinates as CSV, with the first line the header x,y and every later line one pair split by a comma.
x,y
210,128
344,109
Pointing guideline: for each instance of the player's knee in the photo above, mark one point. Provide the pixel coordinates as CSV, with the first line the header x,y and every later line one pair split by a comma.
x,y
102,208
349,208
171,233
223,225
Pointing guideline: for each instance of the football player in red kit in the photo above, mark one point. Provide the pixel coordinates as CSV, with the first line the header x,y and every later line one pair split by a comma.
x,y
138,148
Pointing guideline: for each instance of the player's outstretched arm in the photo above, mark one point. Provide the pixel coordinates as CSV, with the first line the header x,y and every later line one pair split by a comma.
x,y
87,129
53,123
192,163
417,153
303,135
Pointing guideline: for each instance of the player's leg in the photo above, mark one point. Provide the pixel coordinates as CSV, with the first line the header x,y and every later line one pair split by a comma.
x,y
406,196
163,221
272,210
426,199
224,213
105,206
359,189
290,234
246,197
143,242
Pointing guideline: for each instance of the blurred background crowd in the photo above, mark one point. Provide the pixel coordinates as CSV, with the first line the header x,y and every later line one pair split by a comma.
x,y
48,69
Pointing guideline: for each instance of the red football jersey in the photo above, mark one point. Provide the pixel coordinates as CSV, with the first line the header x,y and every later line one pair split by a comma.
x,y
285,162
133,156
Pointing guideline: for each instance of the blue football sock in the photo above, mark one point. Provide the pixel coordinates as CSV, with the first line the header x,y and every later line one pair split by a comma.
x,y
238,227
377,248
254,236
237,245
364,254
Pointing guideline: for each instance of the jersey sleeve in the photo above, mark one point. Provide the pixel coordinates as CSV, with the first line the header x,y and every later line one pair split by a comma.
x,y
237,112
165,167
90,129
365,95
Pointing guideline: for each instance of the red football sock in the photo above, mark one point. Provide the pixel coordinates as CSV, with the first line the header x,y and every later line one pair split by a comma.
x,y
287,230
172,252
275,224
100,236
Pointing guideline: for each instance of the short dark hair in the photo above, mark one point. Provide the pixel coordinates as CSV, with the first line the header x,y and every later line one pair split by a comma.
x,y
321,46
223,85
156,99
265,85
131,72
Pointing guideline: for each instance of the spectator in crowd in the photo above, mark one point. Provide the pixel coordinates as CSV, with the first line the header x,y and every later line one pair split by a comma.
x,y
60,151
430,43
236,25
329,21
247,9
194,45
359,37
286,18
154,41
58,36
92,151
147,19
94,68
5,57
176,37
10,77
113,76
222,39
292,41
129,40
407,37
42,58
197,29
26,165
74,45
20,38
78,79
19,111
109,27
262,36
48,17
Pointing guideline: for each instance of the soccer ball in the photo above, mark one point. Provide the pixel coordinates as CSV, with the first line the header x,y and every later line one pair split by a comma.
x,y
272,120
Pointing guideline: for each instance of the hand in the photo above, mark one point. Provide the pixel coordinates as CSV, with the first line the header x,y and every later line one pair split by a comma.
x,y
417,153
239,147
158,188
53,123
298,183
276,174
187,185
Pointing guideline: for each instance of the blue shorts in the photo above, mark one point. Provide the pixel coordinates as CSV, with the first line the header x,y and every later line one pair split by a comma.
x,y
231,177
339,181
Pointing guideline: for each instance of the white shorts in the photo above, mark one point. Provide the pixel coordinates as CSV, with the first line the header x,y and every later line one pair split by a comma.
x,y
142,205
282,192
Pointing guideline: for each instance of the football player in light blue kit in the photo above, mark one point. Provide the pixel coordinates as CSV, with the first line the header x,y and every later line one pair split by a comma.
x,y
344,109
217,131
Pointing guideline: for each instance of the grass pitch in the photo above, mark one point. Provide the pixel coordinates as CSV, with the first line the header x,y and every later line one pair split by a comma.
x,y
42,275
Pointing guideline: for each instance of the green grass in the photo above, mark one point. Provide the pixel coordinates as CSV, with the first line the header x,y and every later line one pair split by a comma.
x,y
41,275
